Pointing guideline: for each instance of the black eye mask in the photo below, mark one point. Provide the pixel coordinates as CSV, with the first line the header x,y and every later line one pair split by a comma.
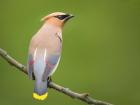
x,y
61,17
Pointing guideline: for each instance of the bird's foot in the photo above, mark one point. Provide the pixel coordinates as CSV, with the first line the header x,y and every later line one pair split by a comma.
x,y
49,79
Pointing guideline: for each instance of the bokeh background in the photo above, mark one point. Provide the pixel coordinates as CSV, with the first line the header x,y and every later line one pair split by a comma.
x,y
101,50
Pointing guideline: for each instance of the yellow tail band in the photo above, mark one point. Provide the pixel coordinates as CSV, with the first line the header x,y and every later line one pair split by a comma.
x,y
40,97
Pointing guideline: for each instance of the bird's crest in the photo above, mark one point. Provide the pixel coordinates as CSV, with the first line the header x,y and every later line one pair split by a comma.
x,y
52,15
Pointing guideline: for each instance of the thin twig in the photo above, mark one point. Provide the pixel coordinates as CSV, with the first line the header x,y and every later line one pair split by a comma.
x,y
83,97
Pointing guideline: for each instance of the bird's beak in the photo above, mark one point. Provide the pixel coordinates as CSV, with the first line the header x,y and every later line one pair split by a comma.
x,y
69,17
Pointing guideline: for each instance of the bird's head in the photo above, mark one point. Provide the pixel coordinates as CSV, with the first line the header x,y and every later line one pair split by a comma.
x,y
57,18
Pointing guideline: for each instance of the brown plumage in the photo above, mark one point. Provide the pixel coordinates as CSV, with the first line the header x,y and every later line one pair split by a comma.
x,y
45,51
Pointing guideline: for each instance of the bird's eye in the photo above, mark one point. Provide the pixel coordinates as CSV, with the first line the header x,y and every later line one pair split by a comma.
x,y
61,17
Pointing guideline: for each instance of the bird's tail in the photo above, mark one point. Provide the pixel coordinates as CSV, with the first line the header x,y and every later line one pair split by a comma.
x,y
40,90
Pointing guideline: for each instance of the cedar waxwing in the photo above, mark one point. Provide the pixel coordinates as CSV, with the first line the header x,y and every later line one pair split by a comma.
x,y
45,52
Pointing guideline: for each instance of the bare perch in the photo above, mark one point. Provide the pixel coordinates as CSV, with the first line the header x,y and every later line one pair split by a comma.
x,y
83,97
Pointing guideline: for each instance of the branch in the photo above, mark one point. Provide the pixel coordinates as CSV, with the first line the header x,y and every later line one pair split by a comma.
x,y
83,97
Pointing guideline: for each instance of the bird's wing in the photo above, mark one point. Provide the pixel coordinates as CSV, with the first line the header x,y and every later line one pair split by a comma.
x,y
52,60
30,66
51,65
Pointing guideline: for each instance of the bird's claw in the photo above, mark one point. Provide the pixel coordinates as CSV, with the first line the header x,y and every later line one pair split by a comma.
x,y
49,79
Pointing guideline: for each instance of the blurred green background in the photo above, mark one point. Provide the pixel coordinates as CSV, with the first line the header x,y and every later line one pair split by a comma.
x,y
101,50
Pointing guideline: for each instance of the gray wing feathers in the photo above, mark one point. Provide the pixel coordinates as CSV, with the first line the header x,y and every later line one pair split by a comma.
x,y
30,66
51,62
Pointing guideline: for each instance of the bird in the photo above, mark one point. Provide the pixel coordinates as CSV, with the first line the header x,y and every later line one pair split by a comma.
x,y
44,52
